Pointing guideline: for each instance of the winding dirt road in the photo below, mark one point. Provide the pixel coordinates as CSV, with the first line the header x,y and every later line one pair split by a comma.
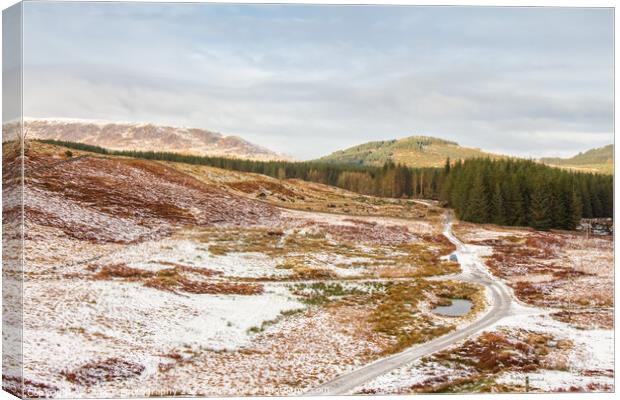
x,y
473,270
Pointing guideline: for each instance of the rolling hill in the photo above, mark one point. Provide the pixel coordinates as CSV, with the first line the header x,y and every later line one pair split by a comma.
x,y
425,151
418,151
597,160
148,137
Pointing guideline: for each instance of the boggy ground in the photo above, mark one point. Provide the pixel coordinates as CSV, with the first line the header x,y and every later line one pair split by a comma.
x,y
142,280
559,338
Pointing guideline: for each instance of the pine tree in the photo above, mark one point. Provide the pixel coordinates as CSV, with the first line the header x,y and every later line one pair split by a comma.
x,y
478,207
586,201
513,203
558,199
540,213
574,210
499,213
597,206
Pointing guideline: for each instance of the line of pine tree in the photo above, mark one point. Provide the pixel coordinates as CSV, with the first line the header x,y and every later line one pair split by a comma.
x,y
525,193
505,192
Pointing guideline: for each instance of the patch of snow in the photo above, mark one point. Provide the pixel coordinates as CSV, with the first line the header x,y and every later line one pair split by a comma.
x,y
417,227
103,319
157,255
415,373
490,234
594,348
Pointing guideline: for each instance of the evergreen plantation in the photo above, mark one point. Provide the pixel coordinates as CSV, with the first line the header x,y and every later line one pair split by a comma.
x,y
505,191
525,193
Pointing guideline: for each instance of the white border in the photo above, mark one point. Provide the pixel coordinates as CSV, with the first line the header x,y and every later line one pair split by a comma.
x,y
518,3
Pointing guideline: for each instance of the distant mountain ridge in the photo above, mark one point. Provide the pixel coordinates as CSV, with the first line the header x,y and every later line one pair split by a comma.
x,y
599,159
418,151
148,137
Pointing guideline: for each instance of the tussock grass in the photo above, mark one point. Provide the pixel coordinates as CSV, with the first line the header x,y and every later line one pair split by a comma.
x,y
398,316
491,354
321,293
111,369
271,322
176,279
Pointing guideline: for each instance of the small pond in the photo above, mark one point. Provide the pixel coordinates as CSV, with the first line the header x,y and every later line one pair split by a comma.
x,y
457,308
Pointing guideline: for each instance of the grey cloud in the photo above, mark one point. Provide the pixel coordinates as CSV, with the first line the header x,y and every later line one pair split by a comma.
x,y
308,81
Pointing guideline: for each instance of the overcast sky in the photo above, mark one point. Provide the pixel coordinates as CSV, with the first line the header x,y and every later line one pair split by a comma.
x,y
309,80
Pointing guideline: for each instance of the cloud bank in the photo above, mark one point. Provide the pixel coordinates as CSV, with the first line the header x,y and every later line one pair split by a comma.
x,y
308,80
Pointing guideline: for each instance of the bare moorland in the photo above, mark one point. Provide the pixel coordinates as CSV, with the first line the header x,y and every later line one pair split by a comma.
x,y
168,278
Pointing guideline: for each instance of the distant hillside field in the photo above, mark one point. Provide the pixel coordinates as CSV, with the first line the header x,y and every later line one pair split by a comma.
x,y
414,151
596,160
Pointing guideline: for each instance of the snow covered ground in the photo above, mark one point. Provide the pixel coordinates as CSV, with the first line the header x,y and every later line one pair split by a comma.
x,y
160,254
584,361
167,285
103,319
159,339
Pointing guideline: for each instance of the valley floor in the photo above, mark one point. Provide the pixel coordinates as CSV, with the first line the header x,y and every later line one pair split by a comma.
x,y
147,279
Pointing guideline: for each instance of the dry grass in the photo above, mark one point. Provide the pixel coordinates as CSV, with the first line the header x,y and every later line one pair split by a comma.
x,y
490,354
267,187
122,271
323,293
303,273
494,352
307,252
548,269
111,369
120,194
397,314
589,388
26,388
597,319
170,281
176,280
307,196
